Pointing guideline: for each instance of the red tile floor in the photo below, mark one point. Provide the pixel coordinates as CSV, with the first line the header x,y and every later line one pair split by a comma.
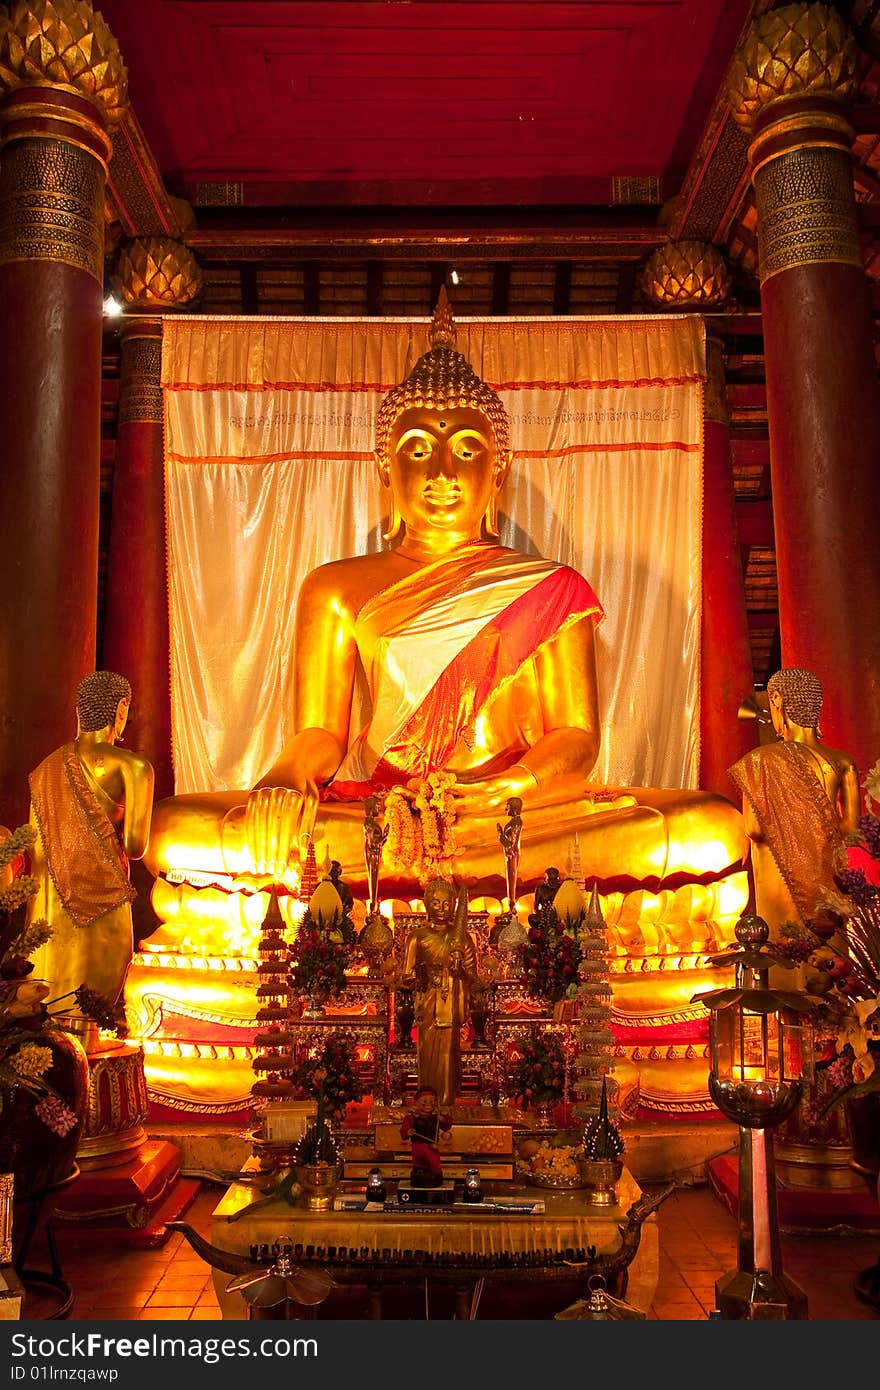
x,y
697,1243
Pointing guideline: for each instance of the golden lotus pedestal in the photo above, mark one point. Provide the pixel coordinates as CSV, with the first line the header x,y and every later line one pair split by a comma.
x,y
191,994
381,1250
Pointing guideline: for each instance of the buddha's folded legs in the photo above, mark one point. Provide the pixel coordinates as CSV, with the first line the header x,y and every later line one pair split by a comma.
x,y
638,838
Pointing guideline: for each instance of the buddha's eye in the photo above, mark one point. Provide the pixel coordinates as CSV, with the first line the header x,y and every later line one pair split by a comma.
x,y
468,447
417,448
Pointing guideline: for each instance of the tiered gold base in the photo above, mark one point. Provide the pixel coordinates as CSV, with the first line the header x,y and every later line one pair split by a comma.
x,y
191,992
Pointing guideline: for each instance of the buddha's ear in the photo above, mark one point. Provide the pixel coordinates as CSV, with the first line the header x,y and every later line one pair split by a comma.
x,y
502,467
395,521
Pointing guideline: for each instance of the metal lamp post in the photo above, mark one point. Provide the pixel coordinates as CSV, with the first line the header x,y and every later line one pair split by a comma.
x,y
760,1046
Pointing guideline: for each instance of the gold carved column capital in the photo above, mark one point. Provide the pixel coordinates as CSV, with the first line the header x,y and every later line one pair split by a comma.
x,y
65,45
140,377
789,88
153,275
62,85
796,52
156,274
685,275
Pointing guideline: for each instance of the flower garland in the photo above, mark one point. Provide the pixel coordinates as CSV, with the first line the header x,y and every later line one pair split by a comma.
x,y
538,1072
551,957
421,827
333,1073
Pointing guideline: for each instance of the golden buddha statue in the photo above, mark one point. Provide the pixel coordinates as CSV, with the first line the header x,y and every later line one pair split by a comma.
x,y
480,667
800,799
440,962
91,803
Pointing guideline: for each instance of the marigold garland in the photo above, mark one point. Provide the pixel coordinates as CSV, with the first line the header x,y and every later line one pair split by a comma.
x,y
421,827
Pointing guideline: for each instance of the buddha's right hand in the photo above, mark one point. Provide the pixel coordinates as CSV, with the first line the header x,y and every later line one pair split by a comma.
x,y
279,823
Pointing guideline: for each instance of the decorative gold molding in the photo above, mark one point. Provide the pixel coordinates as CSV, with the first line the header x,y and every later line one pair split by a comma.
x,y
640,191
219,195
52,205
795,51
64,44
157,273
806,210
685,275
140,389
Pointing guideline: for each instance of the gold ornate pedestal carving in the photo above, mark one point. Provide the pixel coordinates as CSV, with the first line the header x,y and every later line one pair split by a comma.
x,y
114,1128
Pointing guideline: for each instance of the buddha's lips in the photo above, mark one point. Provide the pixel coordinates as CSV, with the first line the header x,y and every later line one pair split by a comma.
x,y
443,495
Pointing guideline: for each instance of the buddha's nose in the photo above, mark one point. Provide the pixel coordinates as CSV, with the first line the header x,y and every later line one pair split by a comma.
x,y
443,464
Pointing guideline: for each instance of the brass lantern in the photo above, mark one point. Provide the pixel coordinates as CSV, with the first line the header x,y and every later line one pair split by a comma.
x,y
761,1045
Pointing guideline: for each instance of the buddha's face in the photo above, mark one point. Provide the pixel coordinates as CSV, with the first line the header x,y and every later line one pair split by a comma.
x,y
443,468
440,907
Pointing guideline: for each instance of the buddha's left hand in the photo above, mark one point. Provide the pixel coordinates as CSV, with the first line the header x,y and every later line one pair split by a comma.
x,y
491,794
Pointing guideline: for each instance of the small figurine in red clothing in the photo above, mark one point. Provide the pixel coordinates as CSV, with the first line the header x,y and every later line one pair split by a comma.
x,y
423,1127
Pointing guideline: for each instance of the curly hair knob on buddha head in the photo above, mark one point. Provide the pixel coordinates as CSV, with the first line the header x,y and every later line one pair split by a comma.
x,y
442,378
801,694
97,699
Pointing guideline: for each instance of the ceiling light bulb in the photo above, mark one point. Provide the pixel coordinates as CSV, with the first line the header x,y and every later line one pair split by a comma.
x,y
454,277
112,307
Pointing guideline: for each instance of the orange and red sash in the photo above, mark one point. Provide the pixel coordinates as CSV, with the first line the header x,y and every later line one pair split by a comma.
x,y
439,645
86,862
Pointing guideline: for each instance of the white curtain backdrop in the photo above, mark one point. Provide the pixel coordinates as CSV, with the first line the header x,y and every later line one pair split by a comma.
x,y
269,472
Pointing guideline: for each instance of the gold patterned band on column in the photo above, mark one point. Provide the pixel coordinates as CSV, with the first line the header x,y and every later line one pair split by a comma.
x,y
806,209
140,390
52,204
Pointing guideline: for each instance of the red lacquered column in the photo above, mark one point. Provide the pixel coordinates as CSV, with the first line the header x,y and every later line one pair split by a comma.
x,y
822,398
52,176
153,275
136,617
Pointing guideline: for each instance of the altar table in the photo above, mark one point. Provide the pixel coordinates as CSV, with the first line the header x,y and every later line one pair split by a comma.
x,y
377,1249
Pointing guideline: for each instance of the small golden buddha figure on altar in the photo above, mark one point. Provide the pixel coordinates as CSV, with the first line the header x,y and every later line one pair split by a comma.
x,y
440,963
480,667
800,799
91,804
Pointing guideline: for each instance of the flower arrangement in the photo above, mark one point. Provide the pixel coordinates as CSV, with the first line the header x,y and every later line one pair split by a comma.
x,y
25,1020
551,956
320,954
538,1073
421,826
846,976
331,1075
317,1145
